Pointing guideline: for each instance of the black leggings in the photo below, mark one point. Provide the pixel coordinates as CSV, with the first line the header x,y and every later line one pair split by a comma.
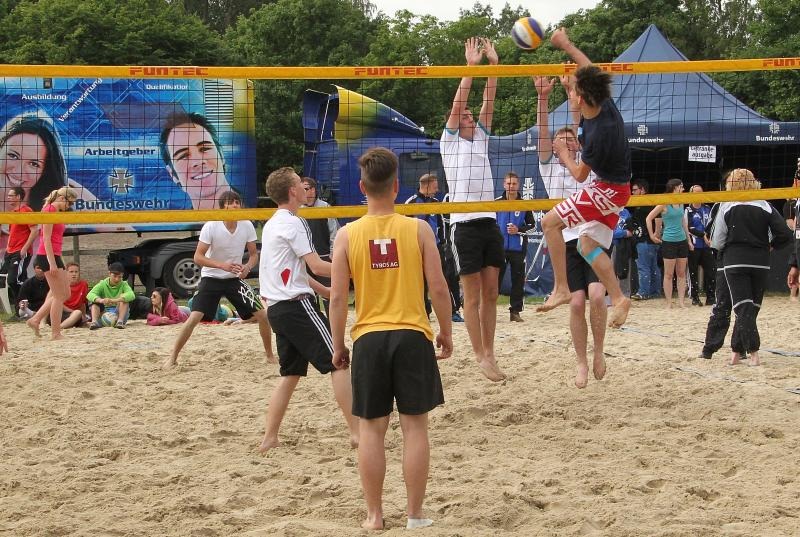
x,y
747,292
720,319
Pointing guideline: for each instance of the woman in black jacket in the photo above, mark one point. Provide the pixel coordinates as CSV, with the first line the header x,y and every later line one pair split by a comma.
x,y
744,232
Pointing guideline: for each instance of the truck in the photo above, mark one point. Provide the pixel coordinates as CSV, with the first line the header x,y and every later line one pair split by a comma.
x,y
124,144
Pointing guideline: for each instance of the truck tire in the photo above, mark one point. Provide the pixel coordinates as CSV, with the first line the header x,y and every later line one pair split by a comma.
x,y
181,274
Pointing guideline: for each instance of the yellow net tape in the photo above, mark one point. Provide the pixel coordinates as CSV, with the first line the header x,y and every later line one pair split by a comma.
x,y
354,211
389,71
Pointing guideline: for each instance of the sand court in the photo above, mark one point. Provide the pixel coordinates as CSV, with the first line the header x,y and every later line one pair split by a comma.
x,y
98,440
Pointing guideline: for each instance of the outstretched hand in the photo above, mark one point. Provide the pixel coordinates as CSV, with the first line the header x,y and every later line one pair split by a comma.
x,y
472,51
489,51
544,85
559,38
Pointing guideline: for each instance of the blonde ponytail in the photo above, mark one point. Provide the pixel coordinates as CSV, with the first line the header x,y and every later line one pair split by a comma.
x,y
65,191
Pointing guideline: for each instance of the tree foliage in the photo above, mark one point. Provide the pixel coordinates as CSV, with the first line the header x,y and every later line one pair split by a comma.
x,y
106,32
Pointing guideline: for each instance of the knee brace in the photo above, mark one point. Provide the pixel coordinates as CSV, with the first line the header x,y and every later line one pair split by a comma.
x,y
591,256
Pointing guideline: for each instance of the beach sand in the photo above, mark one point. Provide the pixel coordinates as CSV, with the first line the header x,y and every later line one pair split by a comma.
x,y
98,440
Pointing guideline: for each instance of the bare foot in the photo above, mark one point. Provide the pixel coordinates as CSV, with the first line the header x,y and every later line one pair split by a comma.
x,y
56,337
736,359
556,299
169,362
619,313
268,443
373,523
491,371
33,326
599,367
582,376
669,304
755,360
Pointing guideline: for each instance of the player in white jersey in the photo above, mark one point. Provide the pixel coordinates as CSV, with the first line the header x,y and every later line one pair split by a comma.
x,y
219,252
477,242
303,333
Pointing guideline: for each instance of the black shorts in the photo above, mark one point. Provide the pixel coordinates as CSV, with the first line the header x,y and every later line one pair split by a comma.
x,y
674,250
579,271
477,244
41,262
303,336
244,300
395,365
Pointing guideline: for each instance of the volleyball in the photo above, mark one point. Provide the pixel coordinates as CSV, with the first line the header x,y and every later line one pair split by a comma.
x,y
527,33
109,318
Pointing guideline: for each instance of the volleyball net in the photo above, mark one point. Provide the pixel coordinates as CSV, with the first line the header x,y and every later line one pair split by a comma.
x,y
154,147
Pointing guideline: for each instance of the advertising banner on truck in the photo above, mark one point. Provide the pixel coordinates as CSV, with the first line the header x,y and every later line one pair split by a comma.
x,y
128,144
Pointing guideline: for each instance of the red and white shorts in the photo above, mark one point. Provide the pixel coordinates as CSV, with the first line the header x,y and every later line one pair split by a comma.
x,y
595,210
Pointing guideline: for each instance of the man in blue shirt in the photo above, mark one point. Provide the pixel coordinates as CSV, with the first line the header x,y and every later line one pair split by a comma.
x,y
513,225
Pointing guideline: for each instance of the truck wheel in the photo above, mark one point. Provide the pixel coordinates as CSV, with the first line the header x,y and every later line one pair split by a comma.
x,y
181,275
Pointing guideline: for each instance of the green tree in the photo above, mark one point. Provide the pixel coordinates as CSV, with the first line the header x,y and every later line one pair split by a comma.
x,y
774,34
106,32
288,33
221,14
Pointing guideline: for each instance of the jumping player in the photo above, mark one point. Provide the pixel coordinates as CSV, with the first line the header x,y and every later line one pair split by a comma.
x,y
387,255
477,242
596,207
302,331
219,253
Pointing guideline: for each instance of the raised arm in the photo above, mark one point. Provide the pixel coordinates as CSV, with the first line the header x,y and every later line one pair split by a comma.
x,y
487,108
544,86
559,39
568,83
473,54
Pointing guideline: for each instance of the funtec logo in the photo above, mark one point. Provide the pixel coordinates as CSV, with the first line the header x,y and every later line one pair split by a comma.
x,y
570,68
167,71
390,71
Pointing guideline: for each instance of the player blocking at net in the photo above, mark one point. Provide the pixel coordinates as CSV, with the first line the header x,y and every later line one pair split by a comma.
x,y
595,208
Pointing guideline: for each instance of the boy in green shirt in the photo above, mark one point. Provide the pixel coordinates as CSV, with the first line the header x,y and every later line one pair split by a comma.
x,y
111,292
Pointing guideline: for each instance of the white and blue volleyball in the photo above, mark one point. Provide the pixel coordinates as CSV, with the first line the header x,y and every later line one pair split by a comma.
x,y
527,33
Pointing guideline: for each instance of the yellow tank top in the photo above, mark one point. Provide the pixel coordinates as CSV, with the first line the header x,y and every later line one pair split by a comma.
x,y
386,265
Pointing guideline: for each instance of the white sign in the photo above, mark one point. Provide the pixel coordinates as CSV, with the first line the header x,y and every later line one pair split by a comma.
x,y
702,153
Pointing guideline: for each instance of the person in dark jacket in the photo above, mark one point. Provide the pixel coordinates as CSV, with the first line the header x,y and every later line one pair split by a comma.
x,y
698,218
513,225
428,187
720,319
646,250
323,230
744,232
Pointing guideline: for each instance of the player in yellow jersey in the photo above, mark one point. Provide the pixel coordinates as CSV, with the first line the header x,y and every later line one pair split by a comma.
x,y
388,257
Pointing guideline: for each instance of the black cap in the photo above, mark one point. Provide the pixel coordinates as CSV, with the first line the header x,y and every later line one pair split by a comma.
x,y
116,266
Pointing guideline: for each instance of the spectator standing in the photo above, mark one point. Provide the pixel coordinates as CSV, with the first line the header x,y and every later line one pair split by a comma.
x,y
513,225
646,249
323,231
698,218
20,245
675,240
428,187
